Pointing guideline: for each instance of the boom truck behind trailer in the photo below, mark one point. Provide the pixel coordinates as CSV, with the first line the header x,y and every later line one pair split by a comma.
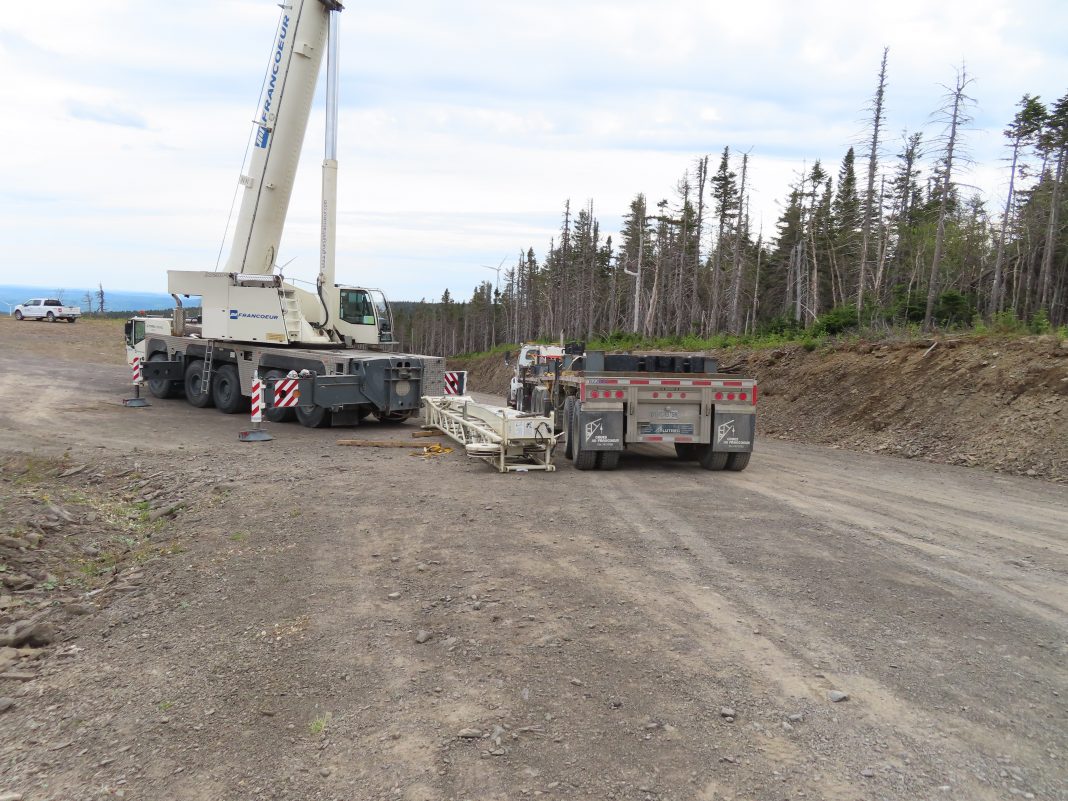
x,y
606,402
339,339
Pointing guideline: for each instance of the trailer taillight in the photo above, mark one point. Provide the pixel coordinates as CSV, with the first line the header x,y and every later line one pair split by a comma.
x,y
619,393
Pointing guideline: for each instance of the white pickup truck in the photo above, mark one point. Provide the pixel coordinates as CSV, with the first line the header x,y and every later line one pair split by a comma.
x,y
46,309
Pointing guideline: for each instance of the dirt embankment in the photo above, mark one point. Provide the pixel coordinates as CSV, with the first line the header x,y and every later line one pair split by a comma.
x,y
995,403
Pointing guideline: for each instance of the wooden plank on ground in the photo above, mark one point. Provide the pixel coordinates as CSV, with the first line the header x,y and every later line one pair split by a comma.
x,y
372,443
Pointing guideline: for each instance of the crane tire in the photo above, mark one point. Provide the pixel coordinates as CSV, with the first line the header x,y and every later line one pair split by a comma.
x,y
194,380
226,390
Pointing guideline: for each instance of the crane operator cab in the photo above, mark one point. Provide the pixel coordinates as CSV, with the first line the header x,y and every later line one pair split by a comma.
x,y
365,316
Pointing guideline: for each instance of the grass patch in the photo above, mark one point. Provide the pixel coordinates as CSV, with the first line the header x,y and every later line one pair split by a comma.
x,y
318,725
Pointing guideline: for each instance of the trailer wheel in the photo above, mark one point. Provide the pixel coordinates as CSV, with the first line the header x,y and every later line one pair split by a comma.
x,y
226,389
313,416
584,459
712,460
569,441
162,389
686,451
738,461
608,460
197,390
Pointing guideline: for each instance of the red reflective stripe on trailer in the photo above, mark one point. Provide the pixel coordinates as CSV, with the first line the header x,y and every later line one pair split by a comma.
x,y
652,439
754,394
639,381
684,439
732,383
702,383
671,382
609,380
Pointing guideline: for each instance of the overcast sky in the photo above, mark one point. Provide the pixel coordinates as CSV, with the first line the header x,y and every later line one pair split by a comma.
x,y
464,125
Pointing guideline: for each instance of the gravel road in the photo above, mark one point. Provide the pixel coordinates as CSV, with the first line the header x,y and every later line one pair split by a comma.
x,y
356,623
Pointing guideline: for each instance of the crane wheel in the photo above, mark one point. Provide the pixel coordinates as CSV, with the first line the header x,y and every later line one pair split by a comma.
x,y
163,389
394,417
313,416
197,391
226,389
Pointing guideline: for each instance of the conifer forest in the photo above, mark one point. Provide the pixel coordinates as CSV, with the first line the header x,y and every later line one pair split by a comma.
x,y
888,237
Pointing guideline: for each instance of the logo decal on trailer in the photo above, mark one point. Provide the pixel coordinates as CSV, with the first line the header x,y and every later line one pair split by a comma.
x,y
725,430
592,428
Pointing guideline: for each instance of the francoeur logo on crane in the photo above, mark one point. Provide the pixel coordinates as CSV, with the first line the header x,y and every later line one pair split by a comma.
x,y
264,133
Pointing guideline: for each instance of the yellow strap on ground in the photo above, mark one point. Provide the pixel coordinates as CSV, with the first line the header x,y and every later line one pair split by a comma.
x,y
434,450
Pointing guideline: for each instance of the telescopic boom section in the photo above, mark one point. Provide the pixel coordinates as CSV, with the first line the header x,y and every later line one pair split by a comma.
x,y
285,107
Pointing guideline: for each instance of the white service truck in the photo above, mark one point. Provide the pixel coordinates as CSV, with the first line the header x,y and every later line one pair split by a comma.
x,y
339,338
50,309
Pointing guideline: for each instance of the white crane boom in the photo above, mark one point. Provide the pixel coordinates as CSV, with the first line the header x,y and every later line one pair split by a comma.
x,y
289,89
249,301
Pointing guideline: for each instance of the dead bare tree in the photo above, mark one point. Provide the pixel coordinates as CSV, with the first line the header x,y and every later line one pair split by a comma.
x,y
873,164
734,321
956,117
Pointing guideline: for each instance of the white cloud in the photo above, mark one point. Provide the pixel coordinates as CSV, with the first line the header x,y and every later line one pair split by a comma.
x,y
467,125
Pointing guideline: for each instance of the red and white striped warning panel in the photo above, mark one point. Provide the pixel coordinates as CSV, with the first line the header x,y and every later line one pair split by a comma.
x,y
136,367
456,382
257,400
286,393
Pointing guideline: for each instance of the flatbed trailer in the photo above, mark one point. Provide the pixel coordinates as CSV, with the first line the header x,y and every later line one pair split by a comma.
x,y
607,402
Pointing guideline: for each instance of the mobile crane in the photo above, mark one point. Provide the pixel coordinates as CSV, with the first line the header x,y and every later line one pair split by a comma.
x,y
339,339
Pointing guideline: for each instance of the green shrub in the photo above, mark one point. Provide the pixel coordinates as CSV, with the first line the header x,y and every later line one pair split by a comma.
x,y
953,308
1006,323
1040,322
837,320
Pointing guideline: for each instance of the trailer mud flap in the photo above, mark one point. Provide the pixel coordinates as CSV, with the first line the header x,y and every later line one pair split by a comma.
x,y
600,430
733,432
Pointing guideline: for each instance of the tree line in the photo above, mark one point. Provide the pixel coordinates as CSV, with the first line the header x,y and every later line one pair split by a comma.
x,y
877,243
